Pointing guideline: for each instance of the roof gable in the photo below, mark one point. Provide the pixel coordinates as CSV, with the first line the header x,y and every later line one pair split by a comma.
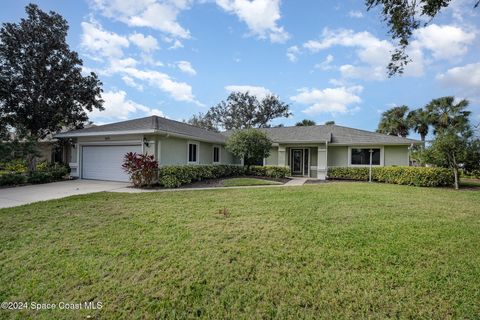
x,y
152,124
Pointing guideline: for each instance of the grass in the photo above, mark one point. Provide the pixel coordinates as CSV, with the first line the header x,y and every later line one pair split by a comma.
x,y
470,183
337,250
239,182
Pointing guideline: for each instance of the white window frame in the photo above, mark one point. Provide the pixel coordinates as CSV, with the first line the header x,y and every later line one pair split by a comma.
x,y
219,154
197,157
382,157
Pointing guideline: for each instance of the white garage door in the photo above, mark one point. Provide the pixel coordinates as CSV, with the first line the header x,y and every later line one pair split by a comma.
x,y
105,162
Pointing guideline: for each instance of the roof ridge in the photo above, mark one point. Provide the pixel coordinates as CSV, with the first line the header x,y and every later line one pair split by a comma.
x,y
374,132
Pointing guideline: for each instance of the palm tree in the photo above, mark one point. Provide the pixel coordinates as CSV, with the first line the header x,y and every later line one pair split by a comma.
x,y
305,123
420,121
394,122
446,114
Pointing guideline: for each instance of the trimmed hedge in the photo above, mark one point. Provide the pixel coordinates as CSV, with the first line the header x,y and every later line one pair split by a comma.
x,y
50,174
412,176
12,179
175,176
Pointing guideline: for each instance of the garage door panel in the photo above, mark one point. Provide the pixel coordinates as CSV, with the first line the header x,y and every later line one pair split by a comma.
x,y
105,162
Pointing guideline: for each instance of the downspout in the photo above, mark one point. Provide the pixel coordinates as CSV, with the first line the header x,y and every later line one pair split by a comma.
x,y
326,159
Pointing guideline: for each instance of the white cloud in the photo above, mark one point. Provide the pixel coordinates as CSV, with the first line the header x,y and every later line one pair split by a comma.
x,y
146,44
465,79
259,92
292,53
117,107
261,17
131,83
325,64
186,67
102,43
179,91
355,14
371,51
329,100
158,15
445,42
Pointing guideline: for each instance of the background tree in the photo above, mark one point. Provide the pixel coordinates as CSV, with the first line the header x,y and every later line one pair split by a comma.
x,y
445,113
329,122
394,122
204,121
251,144
420,120
403,18
42,88
305,123
453,149
242,110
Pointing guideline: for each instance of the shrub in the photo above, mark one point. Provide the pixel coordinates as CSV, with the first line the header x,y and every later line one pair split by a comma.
x,y
17,166
269,171
413,176
141,168
12,179
50,173
175,176
38,177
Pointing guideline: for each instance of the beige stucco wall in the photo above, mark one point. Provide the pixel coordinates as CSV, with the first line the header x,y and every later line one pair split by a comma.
x,y
272,159
396,155
337,156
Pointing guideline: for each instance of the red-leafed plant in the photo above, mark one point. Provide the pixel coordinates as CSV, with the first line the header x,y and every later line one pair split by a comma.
x,y
142,168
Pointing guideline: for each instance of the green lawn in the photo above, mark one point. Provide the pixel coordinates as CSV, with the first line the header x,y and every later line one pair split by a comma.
x,y
470,183
336,250
239,182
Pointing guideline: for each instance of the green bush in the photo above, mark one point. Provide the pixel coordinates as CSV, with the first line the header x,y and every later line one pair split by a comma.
x,y
269,171
175,176
12,179
15,166
413,176
50,174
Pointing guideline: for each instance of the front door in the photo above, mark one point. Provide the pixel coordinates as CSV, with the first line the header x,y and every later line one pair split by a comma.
x,y
297,161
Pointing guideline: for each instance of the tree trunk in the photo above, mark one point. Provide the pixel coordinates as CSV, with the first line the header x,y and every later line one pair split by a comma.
x,y
32,163
455,173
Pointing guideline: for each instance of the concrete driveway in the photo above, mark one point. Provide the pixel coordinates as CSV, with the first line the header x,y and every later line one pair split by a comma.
x,y
11,197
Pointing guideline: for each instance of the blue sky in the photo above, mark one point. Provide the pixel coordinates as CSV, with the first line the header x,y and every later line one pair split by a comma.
x,y
326,59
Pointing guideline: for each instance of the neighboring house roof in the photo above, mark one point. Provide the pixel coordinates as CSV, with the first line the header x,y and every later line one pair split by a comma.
x,y
148,125
333,134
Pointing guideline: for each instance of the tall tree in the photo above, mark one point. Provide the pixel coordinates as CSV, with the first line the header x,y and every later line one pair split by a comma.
x,y
242,110
202,120
420,121
403,17
42,88
394,122
305,123
445,113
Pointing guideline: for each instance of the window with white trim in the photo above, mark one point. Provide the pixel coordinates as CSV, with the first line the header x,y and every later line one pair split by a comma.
x,y
216,154
361,156
193,153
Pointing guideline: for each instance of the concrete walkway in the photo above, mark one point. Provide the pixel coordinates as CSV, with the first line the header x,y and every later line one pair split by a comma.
x,y
296,182
11,197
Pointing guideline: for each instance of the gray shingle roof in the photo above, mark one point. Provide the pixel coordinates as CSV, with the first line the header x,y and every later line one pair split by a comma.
x,y
149,125
334,134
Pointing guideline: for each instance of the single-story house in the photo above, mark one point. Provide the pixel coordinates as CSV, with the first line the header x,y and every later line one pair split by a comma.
x,y
97,152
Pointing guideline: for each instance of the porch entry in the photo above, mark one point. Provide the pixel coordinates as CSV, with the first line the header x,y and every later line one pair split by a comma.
x,y
300,162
